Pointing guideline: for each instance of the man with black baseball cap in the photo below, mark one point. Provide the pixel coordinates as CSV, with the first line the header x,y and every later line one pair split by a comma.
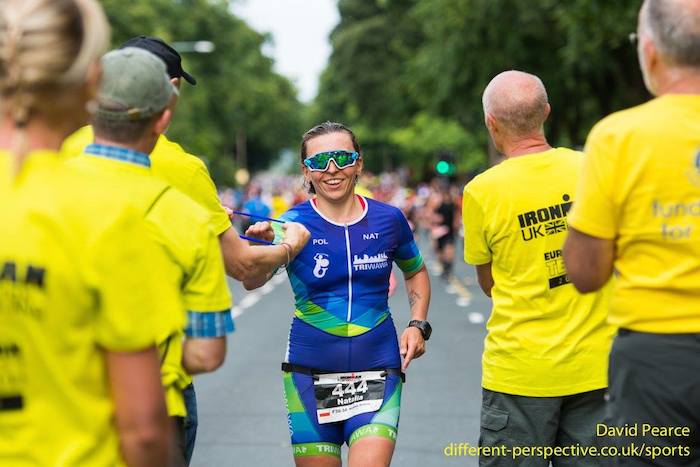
x,y
158,47
132,111
188,174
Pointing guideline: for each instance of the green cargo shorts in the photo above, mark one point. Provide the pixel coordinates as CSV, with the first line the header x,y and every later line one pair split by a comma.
x,y
521,427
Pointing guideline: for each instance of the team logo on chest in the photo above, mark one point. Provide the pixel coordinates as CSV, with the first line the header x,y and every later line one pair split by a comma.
x,y
366,263
322,263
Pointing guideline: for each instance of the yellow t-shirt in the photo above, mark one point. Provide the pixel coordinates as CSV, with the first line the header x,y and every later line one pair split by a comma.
x,y
279,206
363,191
78,274
544,338
641,187
181,228
173,164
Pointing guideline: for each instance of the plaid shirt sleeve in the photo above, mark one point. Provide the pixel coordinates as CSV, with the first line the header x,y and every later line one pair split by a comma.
x,y
209,325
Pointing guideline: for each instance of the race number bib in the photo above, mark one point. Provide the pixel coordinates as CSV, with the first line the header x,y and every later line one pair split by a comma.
x,y
340,396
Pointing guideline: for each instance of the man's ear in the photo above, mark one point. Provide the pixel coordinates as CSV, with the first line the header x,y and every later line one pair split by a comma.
x,y
491,123
163,121
649,61
93,79
651,55
547,111
176,82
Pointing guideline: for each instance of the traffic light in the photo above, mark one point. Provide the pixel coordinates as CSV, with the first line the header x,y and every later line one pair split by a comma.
x,y
445,164
443,168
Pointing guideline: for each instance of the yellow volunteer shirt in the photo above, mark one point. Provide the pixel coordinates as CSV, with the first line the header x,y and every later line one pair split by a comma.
x,y
173,164
363,191
78,274
279,206
641,187
181,228
544,338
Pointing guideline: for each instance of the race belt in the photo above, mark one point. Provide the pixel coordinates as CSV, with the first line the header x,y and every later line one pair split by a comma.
x,y
340,396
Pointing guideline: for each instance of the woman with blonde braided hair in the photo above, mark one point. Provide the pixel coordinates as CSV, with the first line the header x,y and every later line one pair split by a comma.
x,y
79,373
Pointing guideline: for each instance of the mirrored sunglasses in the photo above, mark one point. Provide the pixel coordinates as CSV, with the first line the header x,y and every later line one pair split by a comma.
x,y
319,162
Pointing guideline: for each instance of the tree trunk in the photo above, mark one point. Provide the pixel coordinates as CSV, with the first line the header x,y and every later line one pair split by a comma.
x,y
241,149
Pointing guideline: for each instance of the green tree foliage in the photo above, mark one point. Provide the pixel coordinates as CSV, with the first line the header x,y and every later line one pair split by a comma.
x,y
427,137
406,70
363,84
239,102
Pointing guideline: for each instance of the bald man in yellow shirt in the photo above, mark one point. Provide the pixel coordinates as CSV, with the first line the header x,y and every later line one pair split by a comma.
x,y
545,354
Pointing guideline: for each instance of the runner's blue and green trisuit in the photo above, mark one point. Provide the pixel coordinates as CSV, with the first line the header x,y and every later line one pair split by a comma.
x,y
342,321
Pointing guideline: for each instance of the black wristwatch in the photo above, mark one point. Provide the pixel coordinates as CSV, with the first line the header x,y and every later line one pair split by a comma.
x,y
424,327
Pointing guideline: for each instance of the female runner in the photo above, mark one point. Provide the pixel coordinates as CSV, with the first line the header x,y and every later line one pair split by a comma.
x,y
343,369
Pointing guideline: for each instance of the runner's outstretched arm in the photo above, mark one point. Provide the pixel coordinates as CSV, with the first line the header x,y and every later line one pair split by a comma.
x,y
248,263
263,231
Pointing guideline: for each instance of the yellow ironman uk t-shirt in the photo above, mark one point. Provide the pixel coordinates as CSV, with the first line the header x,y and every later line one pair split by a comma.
x,y
181,228
641,187
78,274
173,164
544,338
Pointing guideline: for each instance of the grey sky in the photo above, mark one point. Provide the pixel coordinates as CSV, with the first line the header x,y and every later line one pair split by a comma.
x,y
300,30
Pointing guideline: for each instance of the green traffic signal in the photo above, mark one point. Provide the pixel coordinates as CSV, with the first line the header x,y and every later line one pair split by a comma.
x,y
444,168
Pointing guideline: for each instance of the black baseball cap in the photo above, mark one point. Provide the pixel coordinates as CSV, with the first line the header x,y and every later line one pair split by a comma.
x,y
158,47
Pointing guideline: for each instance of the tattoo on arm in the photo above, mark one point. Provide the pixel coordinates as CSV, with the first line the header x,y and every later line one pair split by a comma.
x,y
413,298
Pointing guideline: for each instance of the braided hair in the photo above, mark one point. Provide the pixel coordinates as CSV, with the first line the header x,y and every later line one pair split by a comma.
x,y
46,50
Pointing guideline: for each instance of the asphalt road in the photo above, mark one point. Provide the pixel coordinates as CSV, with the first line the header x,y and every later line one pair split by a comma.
x,y
242,417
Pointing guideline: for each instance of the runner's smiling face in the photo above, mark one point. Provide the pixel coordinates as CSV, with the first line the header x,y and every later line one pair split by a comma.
x,y
334,184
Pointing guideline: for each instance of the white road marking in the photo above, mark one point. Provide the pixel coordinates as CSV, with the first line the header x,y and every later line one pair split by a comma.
x,y
435,268
253,297
278,279
464,302
475,317
468,281
249,300
267,288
